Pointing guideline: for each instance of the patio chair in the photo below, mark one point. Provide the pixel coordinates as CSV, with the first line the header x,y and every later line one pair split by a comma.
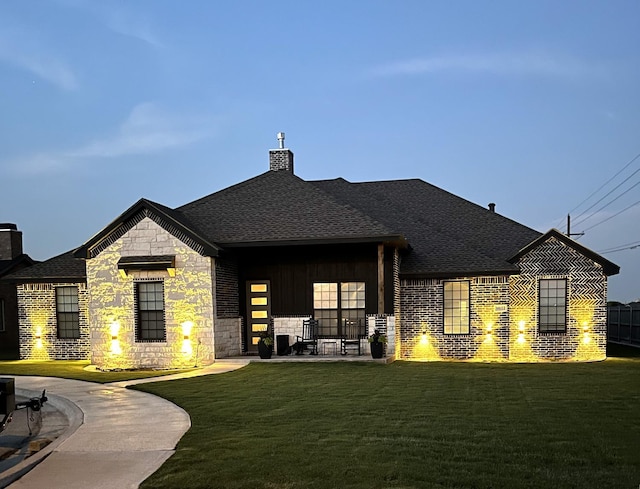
x,y
309,337
352,336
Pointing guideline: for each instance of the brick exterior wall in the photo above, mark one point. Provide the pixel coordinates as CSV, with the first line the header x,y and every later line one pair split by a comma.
x,y
188,298
586,299
510,306
422,329
37,314
227,291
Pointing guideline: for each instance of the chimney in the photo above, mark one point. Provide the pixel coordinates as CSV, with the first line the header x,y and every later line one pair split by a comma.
x,y
492,207
10,241
281,158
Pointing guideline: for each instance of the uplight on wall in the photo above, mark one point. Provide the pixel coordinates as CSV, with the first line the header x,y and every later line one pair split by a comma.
x,y
424,340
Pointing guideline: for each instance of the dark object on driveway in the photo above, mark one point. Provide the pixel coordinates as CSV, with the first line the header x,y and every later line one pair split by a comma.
x,y
8,402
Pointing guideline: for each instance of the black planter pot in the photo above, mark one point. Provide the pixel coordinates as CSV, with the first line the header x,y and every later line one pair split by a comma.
x,y
377,349
265,351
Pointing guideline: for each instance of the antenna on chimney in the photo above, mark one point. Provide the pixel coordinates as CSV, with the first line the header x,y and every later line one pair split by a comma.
x,y
281,139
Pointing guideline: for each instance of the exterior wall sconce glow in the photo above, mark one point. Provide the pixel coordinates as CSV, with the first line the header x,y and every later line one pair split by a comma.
x,y
585,327
38,336
114,329
489,328
423,339
521,325
187,326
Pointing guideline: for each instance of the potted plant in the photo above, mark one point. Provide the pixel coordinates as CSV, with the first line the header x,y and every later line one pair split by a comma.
x,y
376,342
265,345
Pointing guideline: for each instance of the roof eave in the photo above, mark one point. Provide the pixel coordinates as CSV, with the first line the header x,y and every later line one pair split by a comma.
x,y
396,240
460,273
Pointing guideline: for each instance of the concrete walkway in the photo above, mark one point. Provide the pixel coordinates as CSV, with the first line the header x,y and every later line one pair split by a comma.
x,y
116,438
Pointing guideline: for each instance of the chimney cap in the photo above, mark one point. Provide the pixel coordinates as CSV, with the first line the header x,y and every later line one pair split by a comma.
x,y
281,140
8,225
492,207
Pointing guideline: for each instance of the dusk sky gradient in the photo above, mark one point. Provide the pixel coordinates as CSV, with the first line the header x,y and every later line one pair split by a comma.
x,y
533,105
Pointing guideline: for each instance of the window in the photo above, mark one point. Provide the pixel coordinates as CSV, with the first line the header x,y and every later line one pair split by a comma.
x,y
2,326
150,311
456,307
67,312
552,316
335,304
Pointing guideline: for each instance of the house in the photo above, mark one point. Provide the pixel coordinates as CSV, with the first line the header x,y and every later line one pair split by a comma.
x,y
446,278
12,259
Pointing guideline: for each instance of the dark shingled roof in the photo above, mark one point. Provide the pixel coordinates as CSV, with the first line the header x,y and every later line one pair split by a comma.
x,y
448,235
277,207
61,268
7,266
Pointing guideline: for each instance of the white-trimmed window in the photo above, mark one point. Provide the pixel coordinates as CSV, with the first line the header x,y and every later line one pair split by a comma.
x,y
67,312
150,324
456,307
336,303
552,312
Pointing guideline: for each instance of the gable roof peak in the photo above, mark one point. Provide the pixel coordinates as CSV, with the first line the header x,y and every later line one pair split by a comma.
x,y
608,267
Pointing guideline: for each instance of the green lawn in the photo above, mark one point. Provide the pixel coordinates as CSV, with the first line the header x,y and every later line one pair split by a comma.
x,y
408,425
73,369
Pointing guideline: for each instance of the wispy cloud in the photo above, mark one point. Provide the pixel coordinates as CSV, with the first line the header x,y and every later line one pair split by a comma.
x,y
24,47
132,25
147,130
124,19
538,64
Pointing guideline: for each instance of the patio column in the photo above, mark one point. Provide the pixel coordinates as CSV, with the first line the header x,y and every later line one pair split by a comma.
x,y
380,279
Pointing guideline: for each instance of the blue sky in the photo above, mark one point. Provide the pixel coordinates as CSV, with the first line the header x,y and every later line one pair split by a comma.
x,y
532,105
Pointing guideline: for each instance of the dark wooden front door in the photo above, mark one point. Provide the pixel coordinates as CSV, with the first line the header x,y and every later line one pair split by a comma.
x,y
258,311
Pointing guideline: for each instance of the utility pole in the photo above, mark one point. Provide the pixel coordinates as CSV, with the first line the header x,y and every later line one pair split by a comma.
x,y
569,233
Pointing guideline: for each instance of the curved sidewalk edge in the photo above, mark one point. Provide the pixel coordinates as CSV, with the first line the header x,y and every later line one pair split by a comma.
x,y
119,437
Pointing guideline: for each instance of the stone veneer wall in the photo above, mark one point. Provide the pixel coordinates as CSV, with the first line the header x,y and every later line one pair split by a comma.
x,y
422,328
188,298
290,326
37,313
228,334
587,297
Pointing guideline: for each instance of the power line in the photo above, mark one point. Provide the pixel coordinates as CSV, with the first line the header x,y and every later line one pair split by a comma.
x,y
616,214
620,249
605,184
622,246
611,201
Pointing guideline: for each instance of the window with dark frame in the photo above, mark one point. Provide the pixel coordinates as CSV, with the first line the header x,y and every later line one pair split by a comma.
x,y
150,311
2,325
67,312
552,303
335,303
456,307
